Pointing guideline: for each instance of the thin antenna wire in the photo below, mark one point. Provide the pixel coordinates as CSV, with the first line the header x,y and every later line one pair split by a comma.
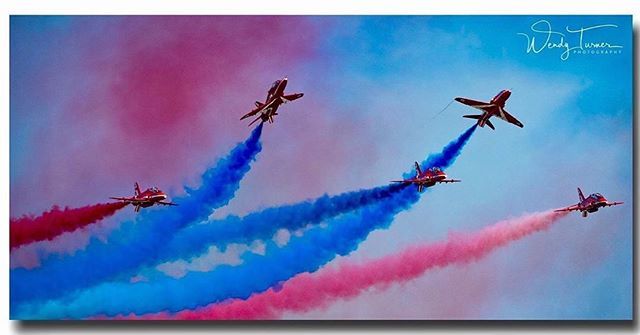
x,y
440,112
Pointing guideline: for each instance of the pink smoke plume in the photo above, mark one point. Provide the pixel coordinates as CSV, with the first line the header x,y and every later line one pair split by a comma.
x,y
48,225
346,280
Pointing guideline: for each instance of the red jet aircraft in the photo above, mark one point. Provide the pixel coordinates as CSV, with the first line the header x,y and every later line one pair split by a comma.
x,y
495,107
590,204
275,98
148,198
427,178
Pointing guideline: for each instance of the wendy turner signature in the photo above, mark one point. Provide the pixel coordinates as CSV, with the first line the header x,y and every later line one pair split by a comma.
x,y
543,37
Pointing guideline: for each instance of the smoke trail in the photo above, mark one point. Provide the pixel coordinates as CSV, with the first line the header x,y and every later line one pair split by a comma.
x,y
449,153
136,243
258,272
30,256
196,239
348,279
28,229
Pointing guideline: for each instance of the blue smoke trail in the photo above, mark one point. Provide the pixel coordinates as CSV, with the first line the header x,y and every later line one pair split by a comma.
x,y
196,239
257,273
260,225
448,155
136,242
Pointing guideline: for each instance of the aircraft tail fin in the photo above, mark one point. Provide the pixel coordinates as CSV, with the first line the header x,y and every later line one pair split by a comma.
x,y
472,116
136,188
418,170
490,125
580,195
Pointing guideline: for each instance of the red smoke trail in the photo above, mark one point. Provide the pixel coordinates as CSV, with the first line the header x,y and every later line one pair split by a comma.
x,y
50,224
309,291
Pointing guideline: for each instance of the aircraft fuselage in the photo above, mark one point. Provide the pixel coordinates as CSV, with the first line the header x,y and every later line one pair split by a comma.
x,y
431,180
273,102
275,97
144,199
501,98
593,203
149,199
498,101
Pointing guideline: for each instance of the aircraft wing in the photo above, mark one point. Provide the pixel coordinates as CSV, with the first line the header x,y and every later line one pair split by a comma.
x,y
481,105
407,181
291,97
509,118
450,181
614,203
123,199
252,113
575,207
131,200
268,105
166,203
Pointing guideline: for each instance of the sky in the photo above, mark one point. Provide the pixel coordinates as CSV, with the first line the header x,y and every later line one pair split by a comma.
x,y
98,103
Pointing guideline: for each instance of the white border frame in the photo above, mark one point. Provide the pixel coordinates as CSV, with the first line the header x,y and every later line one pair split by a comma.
x,y
264,7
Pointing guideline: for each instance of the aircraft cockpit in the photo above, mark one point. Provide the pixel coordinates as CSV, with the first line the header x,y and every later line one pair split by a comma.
x,y
273,89
274,86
